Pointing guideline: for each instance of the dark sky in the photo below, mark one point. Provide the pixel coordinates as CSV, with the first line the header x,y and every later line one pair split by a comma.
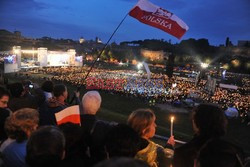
x,y
211,19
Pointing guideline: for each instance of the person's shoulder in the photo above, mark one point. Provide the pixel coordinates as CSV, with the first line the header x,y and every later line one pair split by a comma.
x,y
227,146
106,123
4,112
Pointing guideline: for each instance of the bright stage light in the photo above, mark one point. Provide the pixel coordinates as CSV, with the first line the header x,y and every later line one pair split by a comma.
x,y
139,66
204,65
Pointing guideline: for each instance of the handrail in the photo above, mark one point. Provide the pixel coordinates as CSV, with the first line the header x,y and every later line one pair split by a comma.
x,y
166,138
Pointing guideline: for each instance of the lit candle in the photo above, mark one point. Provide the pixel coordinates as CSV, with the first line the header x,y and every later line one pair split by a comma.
x,y
171,126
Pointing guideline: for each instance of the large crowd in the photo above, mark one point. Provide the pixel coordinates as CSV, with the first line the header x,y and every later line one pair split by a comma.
x,y
159,88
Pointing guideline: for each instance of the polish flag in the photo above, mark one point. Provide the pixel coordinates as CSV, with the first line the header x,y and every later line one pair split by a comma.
x,y
69,114
155,16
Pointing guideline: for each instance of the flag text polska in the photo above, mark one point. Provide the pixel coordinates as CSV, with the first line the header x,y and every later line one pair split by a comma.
x,y
157,20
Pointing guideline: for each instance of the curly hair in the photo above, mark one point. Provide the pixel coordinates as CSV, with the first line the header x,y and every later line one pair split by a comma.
x,y
21,123
140,119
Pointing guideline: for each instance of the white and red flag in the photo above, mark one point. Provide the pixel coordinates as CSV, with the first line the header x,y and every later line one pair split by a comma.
x,y
69,114
155,16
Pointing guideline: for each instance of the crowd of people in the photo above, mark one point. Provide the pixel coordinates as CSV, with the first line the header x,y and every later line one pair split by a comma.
x,y
159,88
31,136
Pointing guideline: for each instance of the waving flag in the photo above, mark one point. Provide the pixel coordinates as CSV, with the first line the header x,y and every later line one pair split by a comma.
x,y
155,16
69,114
147,69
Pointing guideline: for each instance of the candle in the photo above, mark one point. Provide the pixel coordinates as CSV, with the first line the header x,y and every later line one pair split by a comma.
x,y
171,126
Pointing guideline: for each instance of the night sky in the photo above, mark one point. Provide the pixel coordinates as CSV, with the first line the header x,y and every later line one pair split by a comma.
x,y
211,19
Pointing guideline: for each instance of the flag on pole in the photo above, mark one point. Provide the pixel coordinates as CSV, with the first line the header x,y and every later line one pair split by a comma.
x,y
148,13
147,69
69,114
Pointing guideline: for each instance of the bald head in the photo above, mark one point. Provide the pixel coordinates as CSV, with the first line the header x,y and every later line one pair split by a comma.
x,y
91,102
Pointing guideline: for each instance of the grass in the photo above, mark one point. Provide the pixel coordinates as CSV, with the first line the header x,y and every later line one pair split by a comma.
x,y
117,108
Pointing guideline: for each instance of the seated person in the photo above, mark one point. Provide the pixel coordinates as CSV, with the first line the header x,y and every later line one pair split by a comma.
x,y
209,122
122,141
143,122
219,153
22,123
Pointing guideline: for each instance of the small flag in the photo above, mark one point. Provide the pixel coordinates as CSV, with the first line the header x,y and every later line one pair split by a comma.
x,y
69,114
155,16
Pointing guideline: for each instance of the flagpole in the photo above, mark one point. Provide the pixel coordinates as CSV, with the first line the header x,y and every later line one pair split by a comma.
x,y
105,46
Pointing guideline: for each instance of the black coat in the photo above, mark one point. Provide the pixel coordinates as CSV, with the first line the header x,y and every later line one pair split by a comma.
x,y
4,113
94,134
185,155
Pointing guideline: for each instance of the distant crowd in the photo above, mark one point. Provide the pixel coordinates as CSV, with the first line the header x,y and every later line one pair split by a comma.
x,y
159,88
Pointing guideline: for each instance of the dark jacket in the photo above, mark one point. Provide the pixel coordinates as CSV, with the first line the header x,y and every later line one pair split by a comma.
x,y
54,107
94,134
185,155
4,113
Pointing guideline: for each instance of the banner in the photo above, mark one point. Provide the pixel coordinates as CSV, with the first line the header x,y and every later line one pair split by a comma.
x,y
155,16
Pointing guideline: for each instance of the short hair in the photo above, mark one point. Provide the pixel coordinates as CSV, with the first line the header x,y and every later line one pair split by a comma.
x,y
16,89
3,92
47,86
220,153
45,147
91,102
210,120
122,141
140,119
22,121
59,89
73,135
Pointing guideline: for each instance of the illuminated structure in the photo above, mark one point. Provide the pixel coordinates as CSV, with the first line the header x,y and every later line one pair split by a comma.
x,y
152,55
41,57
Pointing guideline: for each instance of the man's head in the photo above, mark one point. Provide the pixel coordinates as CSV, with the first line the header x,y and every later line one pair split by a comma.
x,y
4,97
60,90
91,102
17,90
45,147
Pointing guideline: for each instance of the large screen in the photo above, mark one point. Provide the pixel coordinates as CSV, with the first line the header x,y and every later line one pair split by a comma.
x,y
78,59
10,59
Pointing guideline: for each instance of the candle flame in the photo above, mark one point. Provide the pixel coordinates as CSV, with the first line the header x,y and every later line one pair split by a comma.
x,y
172,119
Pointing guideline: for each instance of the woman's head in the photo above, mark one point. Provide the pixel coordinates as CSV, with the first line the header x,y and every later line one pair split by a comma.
x,y
22,123
143,122
209,120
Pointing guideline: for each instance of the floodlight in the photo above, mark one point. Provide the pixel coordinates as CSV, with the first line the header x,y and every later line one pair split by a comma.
x,y
139,66
204,65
